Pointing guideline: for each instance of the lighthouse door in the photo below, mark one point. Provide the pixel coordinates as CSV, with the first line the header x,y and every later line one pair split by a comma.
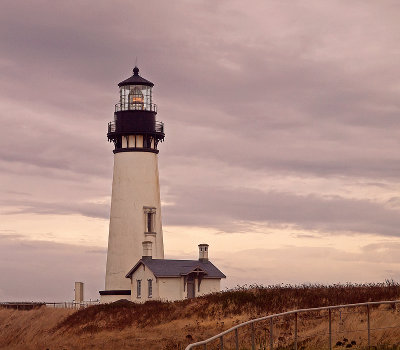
x,y
190,287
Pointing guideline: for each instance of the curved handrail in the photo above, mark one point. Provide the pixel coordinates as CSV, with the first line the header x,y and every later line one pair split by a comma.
x,y
215,337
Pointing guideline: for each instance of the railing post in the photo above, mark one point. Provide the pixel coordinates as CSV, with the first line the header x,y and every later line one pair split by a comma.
x,y
205,346
330,329
369,327
237,339
271,334
295,331
253,344
221,339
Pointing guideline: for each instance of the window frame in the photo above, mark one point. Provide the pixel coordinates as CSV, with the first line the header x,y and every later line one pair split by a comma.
x,y
138,289
150,288
149,220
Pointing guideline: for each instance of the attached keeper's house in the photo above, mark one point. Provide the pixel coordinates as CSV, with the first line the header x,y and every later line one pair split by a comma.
x,y
169,280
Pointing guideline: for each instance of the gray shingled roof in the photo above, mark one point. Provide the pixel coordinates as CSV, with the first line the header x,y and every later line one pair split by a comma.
x,y
175,268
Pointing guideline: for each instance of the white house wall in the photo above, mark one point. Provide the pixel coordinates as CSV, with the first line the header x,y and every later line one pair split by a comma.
x,y
207,286
171,289
144,274
135,185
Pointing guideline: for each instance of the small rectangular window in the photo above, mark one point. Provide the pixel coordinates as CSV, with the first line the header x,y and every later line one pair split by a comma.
x,y
149,222
139,288
149,215
150,288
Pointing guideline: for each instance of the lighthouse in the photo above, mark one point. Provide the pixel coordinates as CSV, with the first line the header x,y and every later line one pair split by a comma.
x,y
135,215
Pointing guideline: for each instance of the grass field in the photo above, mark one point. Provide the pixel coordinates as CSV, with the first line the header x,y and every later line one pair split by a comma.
x,y
167,326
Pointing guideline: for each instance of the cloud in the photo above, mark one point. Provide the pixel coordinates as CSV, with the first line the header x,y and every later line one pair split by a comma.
x,y
92,210
373,263
232,208
46,271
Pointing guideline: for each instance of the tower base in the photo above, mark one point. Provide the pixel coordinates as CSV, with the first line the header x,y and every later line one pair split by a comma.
x,y
110,296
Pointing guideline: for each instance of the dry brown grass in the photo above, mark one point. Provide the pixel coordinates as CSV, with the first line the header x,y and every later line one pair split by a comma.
x,y
168,326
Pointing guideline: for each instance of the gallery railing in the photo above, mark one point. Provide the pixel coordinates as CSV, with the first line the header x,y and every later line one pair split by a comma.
x,y
151,107
259,333
158,127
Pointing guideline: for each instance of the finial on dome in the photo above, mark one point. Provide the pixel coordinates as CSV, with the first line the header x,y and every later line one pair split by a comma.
x,y
136,71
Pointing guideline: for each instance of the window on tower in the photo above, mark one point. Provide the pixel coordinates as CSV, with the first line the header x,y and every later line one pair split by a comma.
x,y
149,215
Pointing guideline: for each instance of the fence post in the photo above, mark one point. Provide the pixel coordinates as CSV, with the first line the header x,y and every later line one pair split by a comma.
x,y
369,327
221,339
253,344
237,339
330,329
295,331
271,334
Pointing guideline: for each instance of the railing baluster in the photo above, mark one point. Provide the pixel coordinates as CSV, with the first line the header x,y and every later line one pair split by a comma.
x,y
221,339
237,339
271,334
205,347
295,331
253,344
330,329
369,327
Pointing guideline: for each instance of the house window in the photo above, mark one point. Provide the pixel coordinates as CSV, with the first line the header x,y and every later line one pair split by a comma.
x,y
150,287
150,214
139,288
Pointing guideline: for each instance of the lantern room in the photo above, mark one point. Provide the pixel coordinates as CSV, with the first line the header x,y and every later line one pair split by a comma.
x,y
135,128
136,94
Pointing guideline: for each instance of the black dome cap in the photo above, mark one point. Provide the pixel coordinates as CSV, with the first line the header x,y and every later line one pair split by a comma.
x,y
136,79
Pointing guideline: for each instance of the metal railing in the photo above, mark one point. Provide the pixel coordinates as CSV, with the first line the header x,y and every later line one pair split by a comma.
x,y
60,305
151,107
111,126
221,337
159,127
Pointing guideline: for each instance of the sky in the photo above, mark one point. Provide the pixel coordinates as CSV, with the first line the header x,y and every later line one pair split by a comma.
x,y
282,137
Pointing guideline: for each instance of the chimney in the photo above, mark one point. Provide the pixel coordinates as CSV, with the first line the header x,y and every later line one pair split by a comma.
x,y
147,249
203,252
78,292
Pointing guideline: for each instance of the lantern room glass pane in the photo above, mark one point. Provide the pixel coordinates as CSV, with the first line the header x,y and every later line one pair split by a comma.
x,y
136,97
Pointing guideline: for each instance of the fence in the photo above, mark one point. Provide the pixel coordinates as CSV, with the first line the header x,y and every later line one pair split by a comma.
x,y
282,331
34,305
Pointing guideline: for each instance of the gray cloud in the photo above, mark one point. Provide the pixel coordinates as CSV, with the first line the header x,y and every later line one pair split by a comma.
x,y
46,271
237,209
93,210
374,263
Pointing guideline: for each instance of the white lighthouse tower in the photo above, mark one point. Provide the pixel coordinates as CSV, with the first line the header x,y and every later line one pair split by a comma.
x,y
135,202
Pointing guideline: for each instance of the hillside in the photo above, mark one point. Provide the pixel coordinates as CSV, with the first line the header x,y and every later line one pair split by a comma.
x,y
165,326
